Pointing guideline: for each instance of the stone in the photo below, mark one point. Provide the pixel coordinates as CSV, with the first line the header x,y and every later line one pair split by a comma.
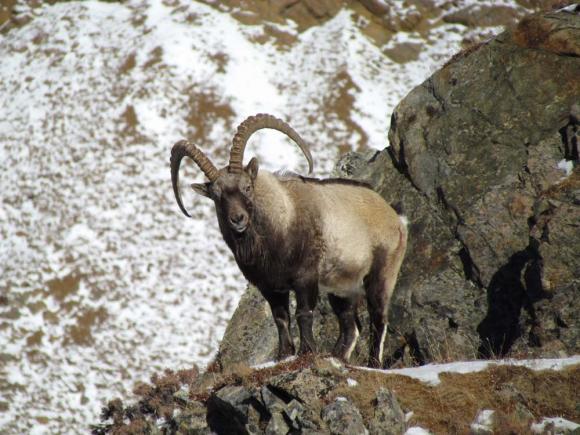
x,y
228,409
343,418
389,418
277,425
192,420
272,402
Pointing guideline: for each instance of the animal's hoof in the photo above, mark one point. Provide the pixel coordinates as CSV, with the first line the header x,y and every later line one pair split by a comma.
x,y
306,349
286,352
340,354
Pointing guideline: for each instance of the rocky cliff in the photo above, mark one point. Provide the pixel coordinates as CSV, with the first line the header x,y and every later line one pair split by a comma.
x,y
483,159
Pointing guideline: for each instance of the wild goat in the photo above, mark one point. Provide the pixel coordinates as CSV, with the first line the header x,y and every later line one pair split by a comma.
x,y
304,234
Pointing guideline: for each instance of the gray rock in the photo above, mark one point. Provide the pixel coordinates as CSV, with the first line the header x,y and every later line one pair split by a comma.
x,y
294,410
389,418
228,410
272,402
304,384
192,420
343,418
277,425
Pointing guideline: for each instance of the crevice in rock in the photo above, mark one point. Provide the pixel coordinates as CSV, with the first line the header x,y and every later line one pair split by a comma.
x,y
399,162
448,206
559,322
415,348
452,324
432,91
282,394
470,270
570,134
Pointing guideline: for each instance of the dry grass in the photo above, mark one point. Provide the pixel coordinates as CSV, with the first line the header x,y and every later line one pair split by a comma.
x,y
451,406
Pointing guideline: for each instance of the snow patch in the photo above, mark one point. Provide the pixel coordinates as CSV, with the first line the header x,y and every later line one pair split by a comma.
x,y
555,425
483,421
416,430
430,373
567,166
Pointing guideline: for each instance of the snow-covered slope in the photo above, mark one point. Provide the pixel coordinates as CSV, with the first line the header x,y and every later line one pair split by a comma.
x,y
103,282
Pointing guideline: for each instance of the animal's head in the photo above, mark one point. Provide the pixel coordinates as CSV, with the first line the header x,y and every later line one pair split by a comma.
x,y
232,187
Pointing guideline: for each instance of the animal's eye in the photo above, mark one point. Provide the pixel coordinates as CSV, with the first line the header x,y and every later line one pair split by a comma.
x,y
248,188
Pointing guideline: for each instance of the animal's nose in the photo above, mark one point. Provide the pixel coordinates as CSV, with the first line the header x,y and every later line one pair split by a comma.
x,y
237,218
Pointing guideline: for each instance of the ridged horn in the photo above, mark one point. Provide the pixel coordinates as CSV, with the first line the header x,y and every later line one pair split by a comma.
x,y
258,122
183,149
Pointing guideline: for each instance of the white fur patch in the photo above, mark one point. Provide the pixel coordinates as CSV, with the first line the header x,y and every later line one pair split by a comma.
x,y
404,220
353,344
381,347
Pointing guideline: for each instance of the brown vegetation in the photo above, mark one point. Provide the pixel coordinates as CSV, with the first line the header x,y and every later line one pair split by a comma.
x,y
451,406
518,395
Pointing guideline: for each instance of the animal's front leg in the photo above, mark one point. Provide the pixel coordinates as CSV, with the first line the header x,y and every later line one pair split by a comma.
x,y
306,299
279,304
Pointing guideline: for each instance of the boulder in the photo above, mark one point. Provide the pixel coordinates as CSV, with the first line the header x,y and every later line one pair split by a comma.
x,y
343,418
389,418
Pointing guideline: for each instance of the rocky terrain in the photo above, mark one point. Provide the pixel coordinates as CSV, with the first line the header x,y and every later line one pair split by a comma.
x,y
483,158
103,283
320,395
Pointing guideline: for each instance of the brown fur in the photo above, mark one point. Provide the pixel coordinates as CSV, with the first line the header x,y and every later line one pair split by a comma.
x,y
305,233
289,232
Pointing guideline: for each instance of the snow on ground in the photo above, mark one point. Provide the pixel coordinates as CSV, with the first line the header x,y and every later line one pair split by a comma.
x,y
555,425
102,281
429,373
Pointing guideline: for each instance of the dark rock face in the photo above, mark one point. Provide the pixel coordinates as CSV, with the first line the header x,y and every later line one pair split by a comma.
x,y
493,264
481,141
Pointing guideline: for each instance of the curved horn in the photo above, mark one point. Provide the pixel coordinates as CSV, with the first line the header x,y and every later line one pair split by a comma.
x,y
183,149
258,122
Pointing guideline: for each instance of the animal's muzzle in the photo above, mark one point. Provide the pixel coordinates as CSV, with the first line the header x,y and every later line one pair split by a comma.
x,y
238,222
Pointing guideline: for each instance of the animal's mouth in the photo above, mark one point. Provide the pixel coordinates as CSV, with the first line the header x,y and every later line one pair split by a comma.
x,y
239,228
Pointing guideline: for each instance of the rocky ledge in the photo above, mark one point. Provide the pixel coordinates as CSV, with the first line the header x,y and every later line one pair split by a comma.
x,y
321,395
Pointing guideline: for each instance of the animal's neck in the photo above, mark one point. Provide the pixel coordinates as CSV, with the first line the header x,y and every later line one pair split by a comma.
x,y
271,221
274,206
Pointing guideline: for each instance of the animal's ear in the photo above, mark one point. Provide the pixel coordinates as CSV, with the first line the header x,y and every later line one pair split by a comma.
x,y
201,189
252,168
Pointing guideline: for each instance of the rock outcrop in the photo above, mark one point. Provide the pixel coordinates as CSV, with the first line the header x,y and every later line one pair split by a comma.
x,y
313,395
483,159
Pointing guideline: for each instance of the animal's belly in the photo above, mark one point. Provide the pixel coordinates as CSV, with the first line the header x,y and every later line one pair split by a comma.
x,y
341,280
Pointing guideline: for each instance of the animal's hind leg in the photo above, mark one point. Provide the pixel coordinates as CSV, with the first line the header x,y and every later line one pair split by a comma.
x,y
379,285
345,310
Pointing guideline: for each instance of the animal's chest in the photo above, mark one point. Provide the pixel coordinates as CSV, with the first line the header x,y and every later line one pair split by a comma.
x,y
269,271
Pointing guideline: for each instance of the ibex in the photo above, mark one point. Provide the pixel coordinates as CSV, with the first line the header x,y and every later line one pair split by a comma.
x,y
289,232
